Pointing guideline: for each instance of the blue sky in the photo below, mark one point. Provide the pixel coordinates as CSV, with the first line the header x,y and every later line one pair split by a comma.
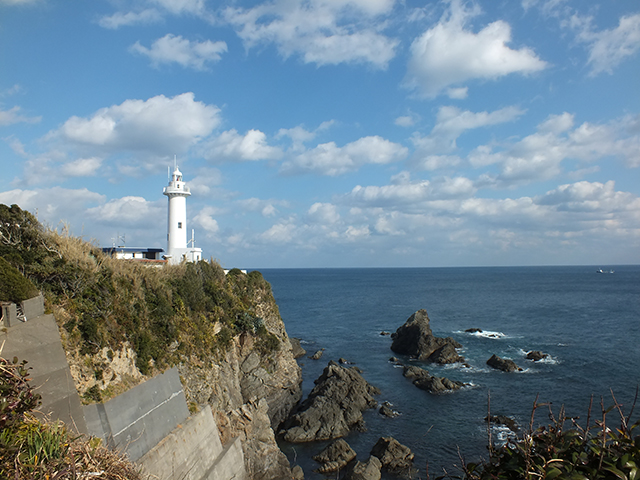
x,y
328,133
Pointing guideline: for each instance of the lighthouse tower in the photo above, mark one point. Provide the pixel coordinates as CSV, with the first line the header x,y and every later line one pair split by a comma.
x,y
177,245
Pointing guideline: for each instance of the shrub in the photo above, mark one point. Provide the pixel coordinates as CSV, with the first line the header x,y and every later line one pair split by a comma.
x,y
14,287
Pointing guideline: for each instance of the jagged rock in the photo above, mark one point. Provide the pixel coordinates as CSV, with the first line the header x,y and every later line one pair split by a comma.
x,y
333,407
335,456
508,422
536,355
343,361
296,348
446,354
424,381
317,355
395,457
263,458
394,359
387,411
503,364
415,338
297,473
473,330
369,470
385,333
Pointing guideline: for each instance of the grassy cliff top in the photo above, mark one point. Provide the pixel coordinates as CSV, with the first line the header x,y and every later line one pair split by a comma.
x,y
167,315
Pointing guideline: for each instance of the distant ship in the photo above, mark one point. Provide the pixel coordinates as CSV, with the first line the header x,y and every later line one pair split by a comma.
x,y
604,271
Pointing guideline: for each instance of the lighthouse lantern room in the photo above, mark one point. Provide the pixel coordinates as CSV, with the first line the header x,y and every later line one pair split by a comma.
x,y
178,248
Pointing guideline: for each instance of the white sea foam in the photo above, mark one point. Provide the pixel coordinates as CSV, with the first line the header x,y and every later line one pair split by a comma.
x,y
548,360
485,334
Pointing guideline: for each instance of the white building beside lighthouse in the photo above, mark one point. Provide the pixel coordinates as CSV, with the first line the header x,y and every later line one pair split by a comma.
x,y
178,248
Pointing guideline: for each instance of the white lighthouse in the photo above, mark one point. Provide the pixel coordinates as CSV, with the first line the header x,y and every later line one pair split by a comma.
x,y
177,245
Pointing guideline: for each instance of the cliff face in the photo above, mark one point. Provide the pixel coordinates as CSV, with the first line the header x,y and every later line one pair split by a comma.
x,y
251,393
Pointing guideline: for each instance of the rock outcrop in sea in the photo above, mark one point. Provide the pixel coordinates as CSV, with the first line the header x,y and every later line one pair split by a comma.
x,y
416,339
536,355
504,364
425,381
335,456
333,407
396,458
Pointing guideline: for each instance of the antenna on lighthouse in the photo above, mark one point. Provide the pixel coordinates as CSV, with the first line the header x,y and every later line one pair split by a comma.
x,y
175,162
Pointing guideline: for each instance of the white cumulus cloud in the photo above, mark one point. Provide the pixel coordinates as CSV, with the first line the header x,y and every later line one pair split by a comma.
x,y
449,54
159,125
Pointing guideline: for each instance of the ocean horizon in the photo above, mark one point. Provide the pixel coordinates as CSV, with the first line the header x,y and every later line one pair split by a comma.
x,y
587,322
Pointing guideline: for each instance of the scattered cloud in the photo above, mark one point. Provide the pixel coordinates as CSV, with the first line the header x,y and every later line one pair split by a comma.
x,y
205,219
52,205
13,115
451,122
231,146
608,48
321,32
175,49
449,54
539,156
329,159
127,19
129,211
266,208
323,213
82,167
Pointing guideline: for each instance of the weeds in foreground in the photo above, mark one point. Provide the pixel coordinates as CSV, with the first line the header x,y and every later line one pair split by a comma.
x,y
605,450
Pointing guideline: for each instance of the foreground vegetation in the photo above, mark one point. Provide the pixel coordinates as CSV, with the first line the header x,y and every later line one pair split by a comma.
x,y
166,315
31,449
606,449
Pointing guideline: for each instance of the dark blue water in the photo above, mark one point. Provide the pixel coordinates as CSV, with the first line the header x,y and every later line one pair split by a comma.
x,y
589,323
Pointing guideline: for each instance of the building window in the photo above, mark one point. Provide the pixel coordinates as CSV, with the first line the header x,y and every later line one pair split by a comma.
x,y
179,224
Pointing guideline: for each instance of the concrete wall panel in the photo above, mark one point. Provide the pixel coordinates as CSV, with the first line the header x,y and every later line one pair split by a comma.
x,y
139,418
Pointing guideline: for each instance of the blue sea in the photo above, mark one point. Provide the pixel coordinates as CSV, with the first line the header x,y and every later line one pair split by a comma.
x,y
588,322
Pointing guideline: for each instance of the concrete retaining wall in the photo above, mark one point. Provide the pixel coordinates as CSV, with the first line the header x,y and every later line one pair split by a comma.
x,y
38,342
135,421
194,452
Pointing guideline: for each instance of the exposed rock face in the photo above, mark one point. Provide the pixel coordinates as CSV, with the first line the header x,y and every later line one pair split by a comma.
x,y
317,355
252,424
369,470
473,330
415,338
251,393
395,457
335,456
536,355
424,381
333,407
503,364
296,348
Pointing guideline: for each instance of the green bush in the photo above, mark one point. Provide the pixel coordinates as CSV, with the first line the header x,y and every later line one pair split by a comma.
x,y
14,287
